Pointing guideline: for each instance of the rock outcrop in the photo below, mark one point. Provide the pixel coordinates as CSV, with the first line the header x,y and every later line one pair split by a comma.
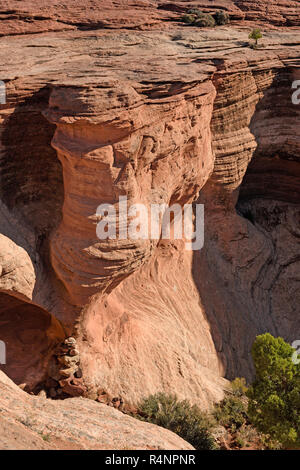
x,y
252,224
37,423
31,17
177,116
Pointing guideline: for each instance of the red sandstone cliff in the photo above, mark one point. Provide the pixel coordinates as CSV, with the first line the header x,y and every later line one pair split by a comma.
x,y
170,116
29,16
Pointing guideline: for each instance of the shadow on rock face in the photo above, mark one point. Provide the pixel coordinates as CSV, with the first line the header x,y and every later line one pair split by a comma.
x,y
31,182
30,335
248,271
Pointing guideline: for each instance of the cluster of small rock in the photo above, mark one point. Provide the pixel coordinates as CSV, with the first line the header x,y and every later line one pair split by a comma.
x,y
65,378
115,402
64,373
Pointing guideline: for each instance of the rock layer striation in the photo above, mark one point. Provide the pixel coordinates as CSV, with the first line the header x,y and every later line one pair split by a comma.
x,y
179,116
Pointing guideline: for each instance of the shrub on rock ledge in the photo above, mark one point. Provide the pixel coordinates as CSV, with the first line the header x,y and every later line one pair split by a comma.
x,y
231,412
184,419
188,19
222,17
198,18
205,21
194,11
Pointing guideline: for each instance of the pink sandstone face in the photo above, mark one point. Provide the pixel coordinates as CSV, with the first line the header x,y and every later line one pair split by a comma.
x,y
168,114
154,151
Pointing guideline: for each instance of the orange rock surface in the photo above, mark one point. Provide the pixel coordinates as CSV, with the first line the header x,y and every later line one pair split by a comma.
x,y
30,17
170,115
38,423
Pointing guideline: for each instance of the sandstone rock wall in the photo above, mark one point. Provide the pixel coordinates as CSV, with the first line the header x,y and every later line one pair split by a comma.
x,y
31,17
251,261
162,117
151,150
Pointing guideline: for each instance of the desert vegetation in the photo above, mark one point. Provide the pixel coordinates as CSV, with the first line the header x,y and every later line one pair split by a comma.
x,y
186,420
274,397
265,415
195,17
255,34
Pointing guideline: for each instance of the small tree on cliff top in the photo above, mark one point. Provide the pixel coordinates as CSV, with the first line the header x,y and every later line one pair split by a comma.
x,y
256,34
274,397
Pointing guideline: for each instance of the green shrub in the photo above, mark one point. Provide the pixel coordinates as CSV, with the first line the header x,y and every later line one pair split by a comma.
x,y
248,436
256,34
188,421
240,441
188,19
239,386
222,17
231,412
194,11
274,397
205,21
198,18
269,443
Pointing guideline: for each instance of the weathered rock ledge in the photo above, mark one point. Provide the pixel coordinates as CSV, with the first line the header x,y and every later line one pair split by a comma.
x,y
37,423
31,17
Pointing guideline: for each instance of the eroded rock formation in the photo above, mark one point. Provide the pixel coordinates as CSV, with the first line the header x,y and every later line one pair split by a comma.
x,y
160,117
35,423
31,17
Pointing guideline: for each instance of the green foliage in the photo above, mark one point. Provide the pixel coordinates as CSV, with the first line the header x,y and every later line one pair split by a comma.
x,y
205,21
248,436
269,443
222,17
188,421
240,441
274,397
239,386
188,19
196,17
194,11
45,437
231,412
256,34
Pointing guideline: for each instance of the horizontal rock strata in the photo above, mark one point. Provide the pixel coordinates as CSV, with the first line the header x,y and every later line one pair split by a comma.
x,y
30,17
174,117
